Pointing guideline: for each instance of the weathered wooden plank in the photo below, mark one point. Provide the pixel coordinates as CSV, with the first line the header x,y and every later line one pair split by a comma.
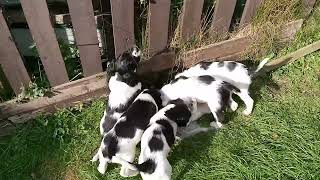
x,y
308,6
223,13
10,59
86,35
292,56
191,18
123,24
18,113
249,11
158,23
37,15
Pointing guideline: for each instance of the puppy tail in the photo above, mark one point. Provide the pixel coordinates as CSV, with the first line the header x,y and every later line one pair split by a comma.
x,y
147,167
254,72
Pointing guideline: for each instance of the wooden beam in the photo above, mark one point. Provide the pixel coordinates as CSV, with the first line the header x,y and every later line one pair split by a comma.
x,y
123,25
223,13
86,35
10,59
158,24
292,56
191,18
249,11
66,97
37,15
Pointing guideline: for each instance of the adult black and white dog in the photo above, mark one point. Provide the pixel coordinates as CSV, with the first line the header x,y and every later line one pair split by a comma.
x,y
232,72
213,93
122,139
159,137
124,86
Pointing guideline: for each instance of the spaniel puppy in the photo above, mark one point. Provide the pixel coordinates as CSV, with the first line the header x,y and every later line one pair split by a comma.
x,y
159,137
122,139
232,72
213,93
124,87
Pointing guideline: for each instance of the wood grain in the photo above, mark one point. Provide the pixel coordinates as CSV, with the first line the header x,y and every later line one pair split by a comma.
x,y
37,15
10,59
222,16
249,11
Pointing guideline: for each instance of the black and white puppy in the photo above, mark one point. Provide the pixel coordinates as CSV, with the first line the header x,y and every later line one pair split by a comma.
x,y
122,139
232,72
159,137
124,86
212,93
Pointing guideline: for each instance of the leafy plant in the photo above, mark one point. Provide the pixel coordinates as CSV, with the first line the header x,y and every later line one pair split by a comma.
x,y
33,92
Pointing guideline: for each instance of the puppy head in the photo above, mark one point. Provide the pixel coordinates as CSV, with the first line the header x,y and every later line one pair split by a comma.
x,y
128,61
180,113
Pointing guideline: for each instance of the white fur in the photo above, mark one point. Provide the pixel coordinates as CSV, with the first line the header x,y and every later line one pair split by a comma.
x,y
195,89
239,77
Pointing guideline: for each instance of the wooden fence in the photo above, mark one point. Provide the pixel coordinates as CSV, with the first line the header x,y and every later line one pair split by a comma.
x,y
83,21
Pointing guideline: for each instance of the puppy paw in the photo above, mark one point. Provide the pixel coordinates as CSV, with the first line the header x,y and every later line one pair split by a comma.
x,y
246,112
101,169
216,125
234,106
126,172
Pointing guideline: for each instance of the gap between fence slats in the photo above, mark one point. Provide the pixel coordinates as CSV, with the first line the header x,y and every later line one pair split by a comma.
x,y
158,25
222,16
37,15
10,59
191,18
85,28
123,24
249,11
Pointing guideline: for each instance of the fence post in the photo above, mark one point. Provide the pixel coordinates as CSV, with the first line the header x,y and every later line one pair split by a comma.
x,y
37,16
123,24
249,11
10,59
191,18
158,23
222,16
86,35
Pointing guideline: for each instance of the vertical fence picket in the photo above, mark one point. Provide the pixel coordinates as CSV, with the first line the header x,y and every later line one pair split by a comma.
x,y
191,18
123,24
309,6
37,16
158,23
10,59
222,16
86,35
249,11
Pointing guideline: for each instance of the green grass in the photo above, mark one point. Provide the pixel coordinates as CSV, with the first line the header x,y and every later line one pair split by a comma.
x,y
280,140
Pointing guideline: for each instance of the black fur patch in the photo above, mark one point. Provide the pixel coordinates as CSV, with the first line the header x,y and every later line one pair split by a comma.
x,y
231,65
129,78
137,117
111,148
179,114
156,132
221,64
156,96
149,166
177,79
155,144
206,79
108,123
167,131
205,65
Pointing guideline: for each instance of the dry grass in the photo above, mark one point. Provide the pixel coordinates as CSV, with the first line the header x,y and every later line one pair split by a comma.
x,y
268,23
